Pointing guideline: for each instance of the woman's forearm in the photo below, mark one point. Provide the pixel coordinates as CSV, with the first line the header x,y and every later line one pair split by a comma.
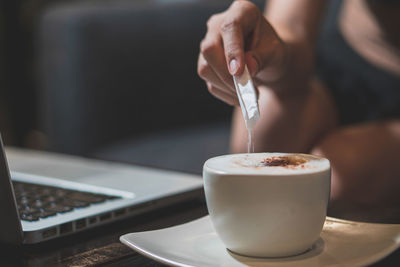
x,y
296,20
297,23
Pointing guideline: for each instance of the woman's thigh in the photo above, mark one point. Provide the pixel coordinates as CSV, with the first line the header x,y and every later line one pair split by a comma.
x,y
290,123
365,162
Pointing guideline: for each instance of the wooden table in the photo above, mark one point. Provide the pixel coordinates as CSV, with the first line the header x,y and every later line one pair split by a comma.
x,y
101,246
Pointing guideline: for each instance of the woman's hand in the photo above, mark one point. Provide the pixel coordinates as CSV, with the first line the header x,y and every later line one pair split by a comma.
x,y
240,35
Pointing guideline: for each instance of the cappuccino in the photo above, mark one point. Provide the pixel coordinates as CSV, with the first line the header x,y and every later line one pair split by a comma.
x,y
267,204
268,163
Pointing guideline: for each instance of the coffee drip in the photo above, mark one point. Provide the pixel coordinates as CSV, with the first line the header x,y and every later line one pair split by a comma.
x,y
250,141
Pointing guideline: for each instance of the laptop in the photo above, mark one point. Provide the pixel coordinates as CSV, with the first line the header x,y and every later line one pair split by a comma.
x,y
47,195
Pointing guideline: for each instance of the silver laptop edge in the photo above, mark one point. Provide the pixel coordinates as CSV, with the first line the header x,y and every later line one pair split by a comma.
x,y
140,194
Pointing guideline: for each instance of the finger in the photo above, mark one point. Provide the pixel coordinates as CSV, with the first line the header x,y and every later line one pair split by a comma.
x,y
205,71
234,29
212,51
233,41
222,95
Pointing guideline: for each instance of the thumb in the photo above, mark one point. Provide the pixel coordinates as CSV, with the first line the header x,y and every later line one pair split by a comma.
x,y
269,59
252,64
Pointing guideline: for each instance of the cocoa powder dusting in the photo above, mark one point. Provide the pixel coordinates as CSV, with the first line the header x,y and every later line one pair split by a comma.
x,y
283,161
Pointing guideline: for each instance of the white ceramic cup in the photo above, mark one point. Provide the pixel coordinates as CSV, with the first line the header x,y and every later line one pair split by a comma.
x,y
267,211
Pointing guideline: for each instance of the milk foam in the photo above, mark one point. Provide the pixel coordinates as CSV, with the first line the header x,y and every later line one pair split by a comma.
x,y
254,163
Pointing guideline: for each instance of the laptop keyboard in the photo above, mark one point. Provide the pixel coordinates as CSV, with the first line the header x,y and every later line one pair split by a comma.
x,y
36,201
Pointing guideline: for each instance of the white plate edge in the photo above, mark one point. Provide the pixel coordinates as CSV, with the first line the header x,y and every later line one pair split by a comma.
x,y
370,260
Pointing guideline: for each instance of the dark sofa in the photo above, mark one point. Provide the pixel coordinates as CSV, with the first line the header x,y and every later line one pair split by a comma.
x,y
118,81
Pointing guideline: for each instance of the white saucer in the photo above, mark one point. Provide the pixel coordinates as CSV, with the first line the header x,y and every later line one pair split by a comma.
x,y
342,243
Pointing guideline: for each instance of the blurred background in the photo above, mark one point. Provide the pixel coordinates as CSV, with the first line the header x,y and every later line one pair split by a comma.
x,y
114,80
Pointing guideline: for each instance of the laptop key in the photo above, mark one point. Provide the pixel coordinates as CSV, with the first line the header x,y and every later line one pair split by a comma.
x,y
23,200
91,198
37,203
28,217
58,208
112,197
75,203
20,193
50,199
46,213
28,210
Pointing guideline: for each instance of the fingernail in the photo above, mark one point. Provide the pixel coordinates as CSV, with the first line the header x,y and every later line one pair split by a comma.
x,y
233,66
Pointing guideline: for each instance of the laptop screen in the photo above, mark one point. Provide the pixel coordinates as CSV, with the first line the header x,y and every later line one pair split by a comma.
x,y
10,224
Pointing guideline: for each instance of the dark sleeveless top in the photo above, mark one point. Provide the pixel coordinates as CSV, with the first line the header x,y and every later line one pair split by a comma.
x,y
362,91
